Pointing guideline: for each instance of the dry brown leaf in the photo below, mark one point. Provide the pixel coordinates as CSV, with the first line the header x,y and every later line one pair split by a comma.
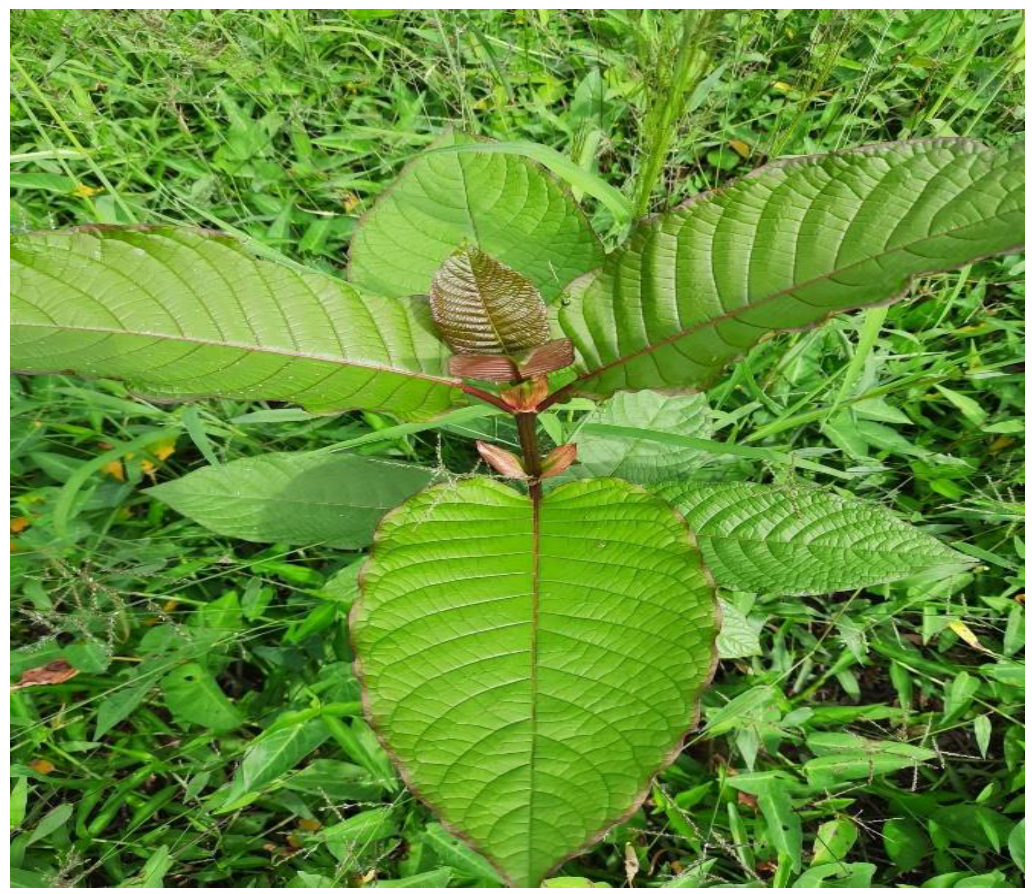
x,y
630,862
54,672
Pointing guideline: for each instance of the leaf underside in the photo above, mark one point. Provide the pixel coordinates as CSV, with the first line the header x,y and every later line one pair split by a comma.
x,y
529,675
297,499
481,306
506,205
786,247
803,541
183,313
640,461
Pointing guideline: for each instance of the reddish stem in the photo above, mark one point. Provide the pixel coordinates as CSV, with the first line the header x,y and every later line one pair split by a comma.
x,y
487,396
526,426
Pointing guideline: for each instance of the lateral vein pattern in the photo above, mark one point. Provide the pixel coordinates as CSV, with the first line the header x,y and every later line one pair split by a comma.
x,y
483,699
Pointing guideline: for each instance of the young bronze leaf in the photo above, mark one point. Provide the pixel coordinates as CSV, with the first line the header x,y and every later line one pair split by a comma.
x,y
786,247
184,313
531,665
483,307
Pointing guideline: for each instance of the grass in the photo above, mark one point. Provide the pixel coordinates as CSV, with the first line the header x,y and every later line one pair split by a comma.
x,y
283,126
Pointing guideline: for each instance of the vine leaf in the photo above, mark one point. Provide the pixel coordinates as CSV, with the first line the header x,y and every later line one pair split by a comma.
x,y
508,206
298,499
803,541
531,665
183,313
483,307
786,247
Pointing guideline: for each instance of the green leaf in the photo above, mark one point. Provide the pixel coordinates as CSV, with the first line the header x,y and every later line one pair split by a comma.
x,y
481,306
837,875
1016,844
643,461
785,247
834,841
503,204
357,833
435,878
576,176
274,754
183,313
531,670
335,780
155,869
800,540
845,757
194,697
295,498
50,823
784,829
906,843
749,704
114,708
451,851
19,799
737,638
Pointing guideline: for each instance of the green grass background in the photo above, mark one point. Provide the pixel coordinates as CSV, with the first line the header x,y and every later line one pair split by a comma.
x,y
284,126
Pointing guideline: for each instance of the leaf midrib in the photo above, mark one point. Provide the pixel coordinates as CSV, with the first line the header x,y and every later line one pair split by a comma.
x,y
761,302
535,587
243,346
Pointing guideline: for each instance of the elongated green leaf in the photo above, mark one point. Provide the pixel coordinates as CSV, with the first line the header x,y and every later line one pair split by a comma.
x,y
435,878
335,780
483,307
504,204
785,247
642,461
295,498
531,671
183,313
845,756
454,853
784,828
358,833
272,755
798,540
50,823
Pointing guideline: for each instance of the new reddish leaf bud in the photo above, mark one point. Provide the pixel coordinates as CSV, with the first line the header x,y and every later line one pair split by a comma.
x,y
527,395
559,460
502,461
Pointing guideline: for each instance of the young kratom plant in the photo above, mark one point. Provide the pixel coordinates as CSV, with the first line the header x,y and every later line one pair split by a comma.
x,y
532,650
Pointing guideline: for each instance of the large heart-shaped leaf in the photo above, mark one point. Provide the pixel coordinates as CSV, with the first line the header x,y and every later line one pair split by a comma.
x,y
506,205
531,665
295,498
801,540
185,313
787,246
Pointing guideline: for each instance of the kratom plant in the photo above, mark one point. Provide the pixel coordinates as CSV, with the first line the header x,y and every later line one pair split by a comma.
x,y
532,650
